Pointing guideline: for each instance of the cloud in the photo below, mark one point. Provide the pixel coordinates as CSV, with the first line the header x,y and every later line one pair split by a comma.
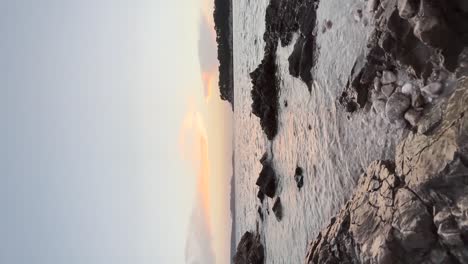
x,y
194,146
207,53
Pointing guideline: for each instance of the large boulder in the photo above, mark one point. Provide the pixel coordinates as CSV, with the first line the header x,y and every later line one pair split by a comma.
x,y
249,250
413,209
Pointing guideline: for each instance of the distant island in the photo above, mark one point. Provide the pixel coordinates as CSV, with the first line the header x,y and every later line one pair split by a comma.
x,y
223,26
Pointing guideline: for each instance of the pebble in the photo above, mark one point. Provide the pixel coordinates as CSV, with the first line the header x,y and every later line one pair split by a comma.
x,y
407,88
388,77
388,90
432,90
412,116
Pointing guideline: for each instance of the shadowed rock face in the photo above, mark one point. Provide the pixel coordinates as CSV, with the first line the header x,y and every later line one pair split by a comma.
x,y
249,250
413,210
417,37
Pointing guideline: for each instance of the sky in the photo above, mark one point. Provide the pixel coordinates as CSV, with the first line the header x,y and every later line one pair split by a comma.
x,y
115,145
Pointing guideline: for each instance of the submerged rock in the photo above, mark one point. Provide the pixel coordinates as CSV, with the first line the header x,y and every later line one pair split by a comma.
x,y
260,196
260,213
299,177
413,209
278,209
249,250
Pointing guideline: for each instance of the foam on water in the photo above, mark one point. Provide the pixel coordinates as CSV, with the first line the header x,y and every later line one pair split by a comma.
x,y
332,153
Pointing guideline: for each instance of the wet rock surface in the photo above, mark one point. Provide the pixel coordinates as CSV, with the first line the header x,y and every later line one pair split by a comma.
x,y
413,209
249,250
421,41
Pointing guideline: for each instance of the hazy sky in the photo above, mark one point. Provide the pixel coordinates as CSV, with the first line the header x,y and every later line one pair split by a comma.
x,y
113,150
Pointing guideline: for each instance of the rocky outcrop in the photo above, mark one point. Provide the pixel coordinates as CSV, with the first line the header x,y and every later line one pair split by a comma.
x,y
249,250
282,20
413,209
264,93
421,40
266,181
303,57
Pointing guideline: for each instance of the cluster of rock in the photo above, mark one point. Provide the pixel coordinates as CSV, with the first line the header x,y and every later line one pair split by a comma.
x,y
421,39
282,19
249,250
401,102
267,181
413,209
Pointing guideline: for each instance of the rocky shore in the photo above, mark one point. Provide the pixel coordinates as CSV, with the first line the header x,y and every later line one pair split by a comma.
x,y
413,209
416,43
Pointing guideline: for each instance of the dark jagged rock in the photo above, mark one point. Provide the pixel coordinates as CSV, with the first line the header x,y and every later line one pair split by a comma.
x,y
278,209
299,177
224,37
249,250
260,196
282,19
264,93
419,44
412,210
303,57
267,180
